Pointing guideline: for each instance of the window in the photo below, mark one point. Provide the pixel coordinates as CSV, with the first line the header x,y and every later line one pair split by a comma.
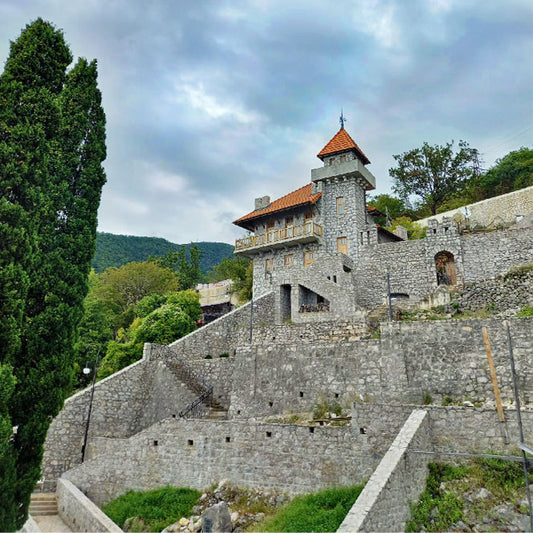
x,y
340,205
289,222
331,161
342,158
269,266
309,257
289,260
308,216
342,245
270,225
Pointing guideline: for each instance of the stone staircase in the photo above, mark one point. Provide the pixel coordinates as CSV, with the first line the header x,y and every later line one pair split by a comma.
x,y
43,504
217,413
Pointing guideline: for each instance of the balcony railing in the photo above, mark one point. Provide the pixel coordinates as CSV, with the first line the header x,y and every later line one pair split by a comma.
x,y
295,233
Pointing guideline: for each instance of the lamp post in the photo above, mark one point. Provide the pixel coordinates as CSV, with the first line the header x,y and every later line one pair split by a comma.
x,y
87,371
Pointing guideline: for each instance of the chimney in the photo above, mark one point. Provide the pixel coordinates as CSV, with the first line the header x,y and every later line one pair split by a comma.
x,y
262,203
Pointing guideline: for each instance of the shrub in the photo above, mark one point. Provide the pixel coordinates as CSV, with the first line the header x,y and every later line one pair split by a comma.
x,y
526,311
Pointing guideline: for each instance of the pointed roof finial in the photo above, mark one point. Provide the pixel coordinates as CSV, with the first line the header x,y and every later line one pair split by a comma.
x,y
342,119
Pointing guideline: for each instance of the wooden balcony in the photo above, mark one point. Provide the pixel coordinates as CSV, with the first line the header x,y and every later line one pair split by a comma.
x,y
278,238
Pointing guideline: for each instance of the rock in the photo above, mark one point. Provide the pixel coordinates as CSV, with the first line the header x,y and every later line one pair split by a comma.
x,y
234,516
183,522
481,494
173,528
219,517
134,523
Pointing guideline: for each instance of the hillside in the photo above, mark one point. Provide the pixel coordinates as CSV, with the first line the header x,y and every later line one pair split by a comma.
x,y
116,250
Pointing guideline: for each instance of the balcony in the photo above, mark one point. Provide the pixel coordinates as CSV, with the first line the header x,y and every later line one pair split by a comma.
x,y
278,238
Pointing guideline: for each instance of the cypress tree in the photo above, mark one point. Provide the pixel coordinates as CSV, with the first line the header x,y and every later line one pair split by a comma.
x,y
51,151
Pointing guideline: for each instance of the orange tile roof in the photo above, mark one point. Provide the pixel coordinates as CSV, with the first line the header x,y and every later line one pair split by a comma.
x,y
342,142
296,198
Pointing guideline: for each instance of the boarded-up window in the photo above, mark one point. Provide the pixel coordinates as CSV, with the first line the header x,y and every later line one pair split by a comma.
x,y
309,258
342,245
289,260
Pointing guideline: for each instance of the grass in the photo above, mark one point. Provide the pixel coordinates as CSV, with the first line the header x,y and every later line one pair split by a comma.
x,y
442,503
526,311
437,510
322,511
157,508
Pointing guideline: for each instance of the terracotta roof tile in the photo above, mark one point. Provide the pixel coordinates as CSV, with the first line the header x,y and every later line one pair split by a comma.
x,y
342,142
296,198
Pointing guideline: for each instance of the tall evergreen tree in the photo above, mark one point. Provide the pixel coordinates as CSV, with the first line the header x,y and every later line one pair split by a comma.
x,y
52,145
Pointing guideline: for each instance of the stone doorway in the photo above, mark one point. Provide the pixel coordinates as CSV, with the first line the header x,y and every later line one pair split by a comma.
x,y
445,266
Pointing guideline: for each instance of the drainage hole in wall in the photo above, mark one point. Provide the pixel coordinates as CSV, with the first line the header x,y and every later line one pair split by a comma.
x,y
270,404
155,443
190,442
311,430
336,395
228,439
301,394
173,416
362,431
269,433
238,411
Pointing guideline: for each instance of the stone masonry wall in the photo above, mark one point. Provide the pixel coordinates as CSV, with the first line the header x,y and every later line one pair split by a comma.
x,y
441,358
400,477
493,212
198,453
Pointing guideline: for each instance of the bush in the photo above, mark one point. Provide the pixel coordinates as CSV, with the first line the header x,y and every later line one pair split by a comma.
x,y
323,511
525,312
157,508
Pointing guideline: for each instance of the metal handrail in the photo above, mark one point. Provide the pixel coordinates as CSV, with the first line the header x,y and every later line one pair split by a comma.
x,y
203,400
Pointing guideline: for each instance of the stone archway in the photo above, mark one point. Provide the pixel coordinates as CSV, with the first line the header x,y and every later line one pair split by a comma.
x,y
445,266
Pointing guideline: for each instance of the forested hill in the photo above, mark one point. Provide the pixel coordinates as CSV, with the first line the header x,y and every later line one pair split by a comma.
x,y
117,250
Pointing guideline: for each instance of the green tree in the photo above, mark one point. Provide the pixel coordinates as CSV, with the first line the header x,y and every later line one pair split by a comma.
x,y
434,173
52,144
512,172
124,287
238,269
186,264
387,204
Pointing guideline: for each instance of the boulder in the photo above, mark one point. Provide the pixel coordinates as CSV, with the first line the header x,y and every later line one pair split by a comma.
x,y
217,519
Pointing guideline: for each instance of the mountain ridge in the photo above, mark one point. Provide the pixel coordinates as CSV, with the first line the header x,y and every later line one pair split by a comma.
x,y
113,250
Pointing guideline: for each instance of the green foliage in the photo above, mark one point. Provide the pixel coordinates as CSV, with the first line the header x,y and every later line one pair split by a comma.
x,y
52,144
385,203
164,325
117,250
123,287
325,407
414,229
434,173
185,263
157,508
189,301
322,511
238,269
437,510
525,312
119,355
512,172
499,476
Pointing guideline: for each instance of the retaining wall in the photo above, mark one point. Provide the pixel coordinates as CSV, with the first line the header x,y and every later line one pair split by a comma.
x,y
383,505
80,513
410,360
497,211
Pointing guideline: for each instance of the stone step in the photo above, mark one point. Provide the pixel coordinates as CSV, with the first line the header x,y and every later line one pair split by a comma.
x,y
43,504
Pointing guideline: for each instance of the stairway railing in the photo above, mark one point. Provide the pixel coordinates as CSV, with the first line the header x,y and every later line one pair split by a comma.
x,y
199,407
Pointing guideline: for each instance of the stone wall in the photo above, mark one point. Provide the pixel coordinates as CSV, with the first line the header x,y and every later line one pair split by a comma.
x,y
494,212
383,505
508,294
80,513
198,453
410,360
227,332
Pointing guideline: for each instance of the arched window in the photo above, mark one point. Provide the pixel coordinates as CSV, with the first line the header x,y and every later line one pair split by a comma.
x,y
445,265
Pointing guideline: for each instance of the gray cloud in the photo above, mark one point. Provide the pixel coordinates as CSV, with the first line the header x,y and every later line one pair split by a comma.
x,y
210,104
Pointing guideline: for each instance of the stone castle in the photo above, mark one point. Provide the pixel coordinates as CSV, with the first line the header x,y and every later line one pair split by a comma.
x,y
203,408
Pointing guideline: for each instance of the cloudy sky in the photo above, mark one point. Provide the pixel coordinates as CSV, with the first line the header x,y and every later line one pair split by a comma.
x,y
210,104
